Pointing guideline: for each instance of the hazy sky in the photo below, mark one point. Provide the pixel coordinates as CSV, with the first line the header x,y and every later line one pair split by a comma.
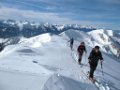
x,y
99,13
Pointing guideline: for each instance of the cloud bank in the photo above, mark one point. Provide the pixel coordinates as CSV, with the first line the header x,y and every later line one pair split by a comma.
x,y
99,13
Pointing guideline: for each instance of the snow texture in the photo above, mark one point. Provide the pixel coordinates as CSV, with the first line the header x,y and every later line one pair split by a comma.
x,y
45,62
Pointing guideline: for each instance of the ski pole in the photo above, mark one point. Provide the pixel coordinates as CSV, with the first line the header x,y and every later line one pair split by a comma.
x,y
101,65
102,68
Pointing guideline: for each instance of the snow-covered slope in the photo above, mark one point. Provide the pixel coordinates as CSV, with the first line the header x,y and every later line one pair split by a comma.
x,y
107,39
77,35
45,62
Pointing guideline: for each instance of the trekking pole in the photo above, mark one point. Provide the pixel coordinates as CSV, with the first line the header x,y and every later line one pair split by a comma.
x,y
102,68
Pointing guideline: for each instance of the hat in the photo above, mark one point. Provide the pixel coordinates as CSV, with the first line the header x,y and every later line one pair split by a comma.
x,y
97,47
82,43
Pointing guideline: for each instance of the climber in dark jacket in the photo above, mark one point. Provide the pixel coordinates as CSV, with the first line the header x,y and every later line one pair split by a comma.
x,y
81,49
94,57
71,43
1,46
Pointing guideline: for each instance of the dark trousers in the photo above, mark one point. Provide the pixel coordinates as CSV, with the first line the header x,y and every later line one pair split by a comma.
x,y
92,69
71,46
80,57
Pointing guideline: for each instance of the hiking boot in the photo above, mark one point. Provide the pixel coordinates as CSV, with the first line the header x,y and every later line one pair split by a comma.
x,y
92,79
79,62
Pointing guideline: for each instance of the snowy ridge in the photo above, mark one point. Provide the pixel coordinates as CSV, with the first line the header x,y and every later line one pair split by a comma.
x,y
45,62
36,41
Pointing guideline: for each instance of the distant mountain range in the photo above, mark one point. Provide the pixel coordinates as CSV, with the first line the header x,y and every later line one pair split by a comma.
x,y
12,28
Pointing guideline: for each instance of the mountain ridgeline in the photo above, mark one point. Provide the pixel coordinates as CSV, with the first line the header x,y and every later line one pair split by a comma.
x,y
12,32
12,28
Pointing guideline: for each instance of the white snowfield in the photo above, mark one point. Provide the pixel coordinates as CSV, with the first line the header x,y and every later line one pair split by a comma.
x,y
45,62
107,39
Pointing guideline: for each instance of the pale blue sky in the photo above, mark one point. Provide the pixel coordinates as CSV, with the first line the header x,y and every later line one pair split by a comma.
x,y
99,13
